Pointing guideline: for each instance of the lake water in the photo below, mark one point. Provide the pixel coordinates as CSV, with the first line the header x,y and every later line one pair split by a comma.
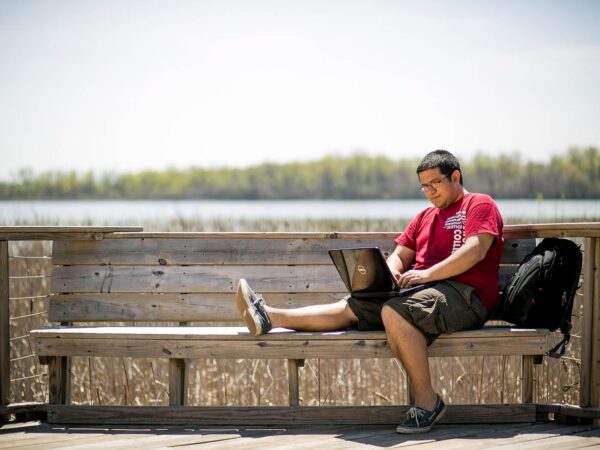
x,y
131,212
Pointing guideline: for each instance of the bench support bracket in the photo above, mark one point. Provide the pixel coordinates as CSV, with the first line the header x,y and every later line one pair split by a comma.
x,y
294,389
59,380
178,382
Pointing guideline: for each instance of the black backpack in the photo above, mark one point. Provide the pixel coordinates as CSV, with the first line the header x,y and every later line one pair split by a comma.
x,y
540,293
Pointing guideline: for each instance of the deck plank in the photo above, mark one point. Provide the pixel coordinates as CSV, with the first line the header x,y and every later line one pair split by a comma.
x,y
508,436
327,437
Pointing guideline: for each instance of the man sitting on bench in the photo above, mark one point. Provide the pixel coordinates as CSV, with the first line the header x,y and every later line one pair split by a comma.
x,y
454,246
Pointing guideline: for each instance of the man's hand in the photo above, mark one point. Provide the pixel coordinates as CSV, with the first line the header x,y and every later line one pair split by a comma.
x,y
401,258
412,277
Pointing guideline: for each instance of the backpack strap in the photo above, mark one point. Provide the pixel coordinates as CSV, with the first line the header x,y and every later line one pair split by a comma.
x,y
559,349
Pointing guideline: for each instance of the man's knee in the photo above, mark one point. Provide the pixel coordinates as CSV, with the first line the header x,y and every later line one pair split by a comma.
x,y
393,320
346,312
390,316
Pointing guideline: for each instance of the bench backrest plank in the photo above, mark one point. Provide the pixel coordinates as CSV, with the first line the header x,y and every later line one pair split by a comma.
x,y
193,279
206,251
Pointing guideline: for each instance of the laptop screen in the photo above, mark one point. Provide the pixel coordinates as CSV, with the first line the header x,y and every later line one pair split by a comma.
x,y
363,269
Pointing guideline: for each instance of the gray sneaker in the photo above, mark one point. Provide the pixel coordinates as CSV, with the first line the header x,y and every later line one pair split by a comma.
x,y
420,421
252,308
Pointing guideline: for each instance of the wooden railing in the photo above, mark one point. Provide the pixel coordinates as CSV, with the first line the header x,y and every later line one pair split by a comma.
x,y
30,233
590,352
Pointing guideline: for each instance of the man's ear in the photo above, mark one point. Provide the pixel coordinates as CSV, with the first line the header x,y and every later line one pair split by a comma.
x,y
455,176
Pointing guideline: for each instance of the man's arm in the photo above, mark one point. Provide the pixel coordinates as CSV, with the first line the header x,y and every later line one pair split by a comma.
x,y
399,260
474,250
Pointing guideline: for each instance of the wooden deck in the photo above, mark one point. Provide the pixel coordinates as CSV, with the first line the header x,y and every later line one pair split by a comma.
x,y
549,435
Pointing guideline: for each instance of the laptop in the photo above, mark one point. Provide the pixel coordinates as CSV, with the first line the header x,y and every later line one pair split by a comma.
x,y
366,274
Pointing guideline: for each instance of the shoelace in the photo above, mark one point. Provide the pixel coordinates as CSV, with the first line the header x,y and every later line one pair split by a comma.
x,y
416,414
258,300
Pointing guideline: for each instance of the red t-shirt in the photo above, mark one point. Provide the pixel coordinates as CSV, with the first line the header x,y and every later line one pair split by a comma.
x,y
437,233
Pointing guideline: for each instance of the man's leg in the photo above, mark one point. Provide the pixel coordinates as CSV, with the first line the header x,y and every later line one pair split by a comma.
x,y
327,317
260,318
410,324
410,346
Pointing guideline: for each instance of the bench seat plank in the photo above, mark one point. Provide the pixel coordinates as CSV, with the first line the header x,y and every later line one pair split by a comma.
x,y
236,342
224,333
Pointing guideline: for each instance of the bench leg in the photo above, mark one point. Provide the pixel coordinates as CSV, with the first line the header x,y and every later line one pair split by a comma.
x,y
178,382
527,379
294,389
59,380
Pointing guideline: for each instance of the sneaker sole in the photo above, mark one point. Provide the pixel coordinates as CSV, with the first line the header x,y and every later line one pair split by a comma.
x,y
247,310
403,430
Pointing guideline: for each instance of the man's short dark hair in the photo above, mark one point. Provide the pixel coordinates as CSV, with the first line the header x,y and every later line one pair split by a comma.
x,y
441,159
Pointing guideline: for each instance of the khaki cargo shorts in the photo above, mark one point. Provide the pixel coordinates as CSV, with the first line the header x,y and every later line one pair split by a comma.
x,y
445,307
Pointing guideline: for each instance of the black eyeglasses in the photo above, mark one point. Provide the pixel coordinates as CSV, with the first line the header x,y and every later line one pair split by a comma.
x,y
433,185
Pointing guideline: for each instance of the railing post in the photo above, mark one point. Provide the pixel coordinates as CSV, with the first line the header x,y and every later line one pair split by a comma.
x,y
4,328
594,337
590,351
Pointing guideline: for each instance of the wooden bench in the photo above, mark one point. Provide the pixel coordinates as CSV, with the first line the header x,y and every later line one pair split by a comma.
x,y
185,278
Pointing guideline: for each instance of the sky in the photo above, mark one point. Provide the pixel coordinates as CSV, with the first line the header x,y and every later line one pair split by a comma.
x,y
122,86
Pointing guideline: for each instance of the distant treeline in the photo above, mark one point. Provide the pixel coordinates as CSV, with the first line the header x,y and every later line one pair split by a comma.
x,y
576,174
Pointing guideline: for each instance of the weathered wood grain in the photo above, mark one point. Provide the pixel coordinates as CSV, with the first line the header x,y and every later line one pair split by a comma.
x,y
206,251
359,349
221,333
178,382
193,342
589,271
516,249
256,235
28,233
156,251
196,279
279,415
148,307
527,373
175,279
542,230
538,230
317,435
293,385
595,336
23,408
570,410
